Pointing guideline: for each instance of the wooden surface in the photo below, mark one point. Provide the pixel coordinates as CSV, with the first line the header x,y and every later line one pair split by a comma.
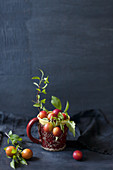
x,y
72,41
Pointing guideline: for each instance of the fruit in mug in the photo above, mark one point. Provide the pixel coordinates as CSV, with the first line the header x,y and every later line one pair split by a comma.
x,y
77,155
48,127
56,111
9,151
51,115
27,153
57,131
64,115
42,114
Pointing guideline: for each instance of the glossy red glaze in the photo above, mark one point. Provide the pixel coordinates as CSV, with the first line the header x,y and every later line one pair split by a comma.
x,y
47,139
29,126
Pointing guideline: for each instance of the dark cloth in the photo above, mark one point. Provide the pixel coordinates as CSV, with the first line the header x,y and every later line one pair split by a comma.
x,y
96,131
93,130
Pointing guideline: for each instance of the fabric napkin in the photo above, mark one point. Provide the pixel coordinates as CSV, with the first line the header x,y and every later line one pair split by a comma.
x,y
93,130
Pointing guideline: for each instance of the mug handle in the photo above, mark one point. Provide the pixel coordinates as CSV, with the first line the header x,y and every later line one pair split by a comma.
x,y
29,126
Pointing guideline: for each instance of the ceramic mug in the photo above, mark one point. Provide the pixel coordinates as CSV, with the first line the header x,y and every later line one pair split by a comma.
x,y
47,139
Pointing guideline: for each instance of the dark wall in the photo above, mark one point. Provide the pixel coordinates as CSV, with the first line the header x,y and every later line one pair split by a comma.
x,y
71,40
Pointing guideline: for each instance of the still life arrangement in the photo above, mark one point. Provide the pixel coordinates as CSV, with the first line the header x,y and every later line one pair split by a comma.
x,y
52,127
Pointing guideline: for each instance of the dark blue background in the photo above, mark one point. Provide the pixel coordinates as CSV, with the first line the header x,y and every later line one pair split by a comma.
x,y
71,40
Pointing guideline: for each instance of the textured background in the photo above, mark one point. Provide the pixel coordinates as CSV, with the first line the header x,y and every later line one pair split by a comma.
x,y
72,41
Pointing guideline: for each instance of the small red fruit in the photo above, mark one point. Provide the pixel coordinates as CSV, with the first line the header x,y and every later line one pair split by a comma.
x,y
51,115
57,131
64,115
9,151
56,111
27,153
42,114
77,155
48,127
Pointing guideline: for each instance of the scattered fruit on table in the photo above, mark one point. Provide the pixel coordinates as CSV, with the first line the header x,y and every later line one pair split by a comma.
x,y
9,150
57,131
16,153
43,114
77,155
27,153
48,127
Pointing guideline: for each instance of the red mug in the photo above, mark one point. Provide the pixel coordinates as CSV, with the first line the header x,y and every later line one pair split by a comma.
x,y
47,139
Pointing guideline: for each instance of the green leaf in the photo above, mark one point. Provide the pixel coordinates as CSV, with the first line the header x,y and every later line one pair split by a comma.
x,y
54,124
23,161
37,105
44,91
36,78
5,148
36,84
14,151
56,102
8,140
14,138
67,107
19,139
43,101
45,86
54,118
8,156
12,164
71,126
38,90
14,142
46,80
19,157
42,72
38,97
10,132
15,158
60,116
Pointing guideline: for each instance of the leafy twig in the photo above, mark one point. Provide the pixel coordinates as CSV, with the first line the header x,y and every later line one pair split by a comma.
x,y
17,157
42,84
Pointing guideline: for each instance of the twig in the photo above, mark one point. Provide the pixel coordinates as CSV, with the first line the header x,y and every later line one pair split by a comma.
x,y
7,135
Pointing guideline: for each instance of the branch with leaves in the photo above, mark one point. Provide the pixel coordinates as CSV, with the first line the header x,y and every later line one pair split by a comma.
x,y
41,88
56,102
14,151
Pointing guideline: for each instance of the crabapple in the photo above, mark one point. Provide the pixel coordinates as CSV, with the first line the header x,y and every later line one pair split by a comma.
x,y
64,115
77,155
56,111
27,153
9,151
42,114
57,131
51,115
48,127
